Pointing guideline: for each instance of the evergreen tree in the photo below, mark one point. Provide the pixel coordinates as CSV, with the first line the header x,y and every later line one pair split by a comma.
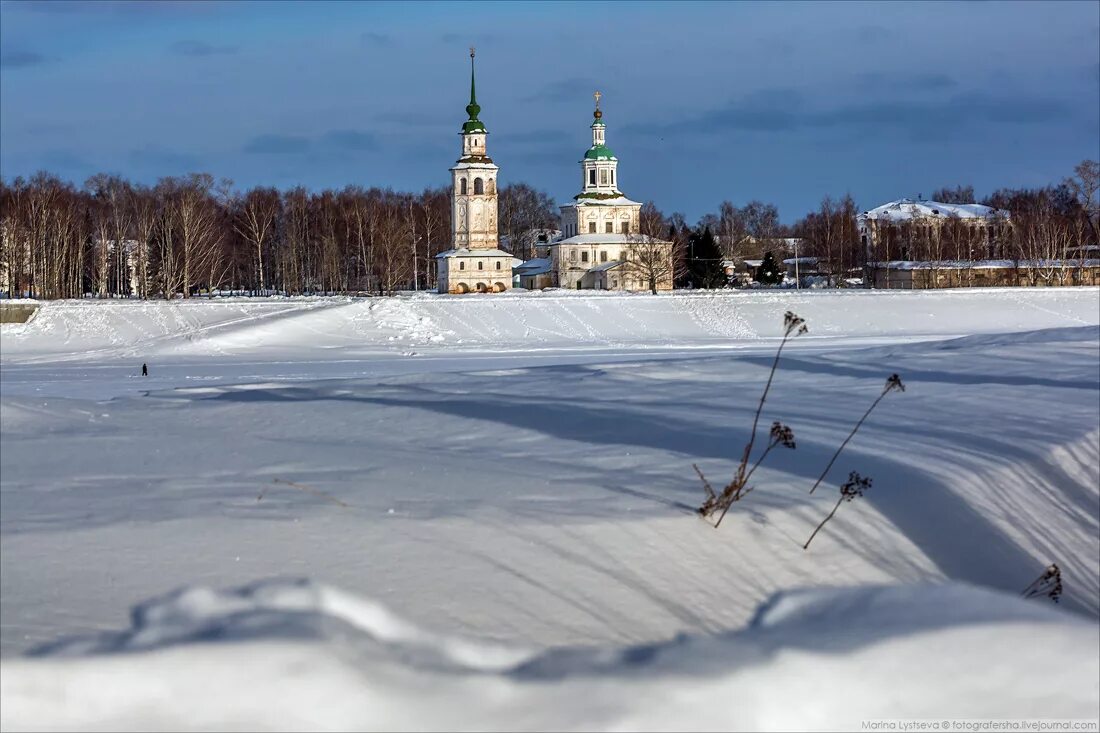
x,y
705,260
769,272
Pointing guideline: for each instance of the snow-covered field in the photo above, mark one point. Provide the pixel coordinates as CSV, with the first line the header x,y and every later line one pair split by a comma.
x,y
516,470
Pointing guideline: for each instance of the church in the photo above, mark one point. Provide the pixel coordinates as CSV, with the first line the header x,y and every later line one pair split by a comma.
x,y
602,246
475,262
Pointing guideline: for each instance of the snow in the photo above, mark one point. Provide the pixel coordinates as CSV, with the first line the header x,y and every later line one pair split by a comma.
x,y
537,266
606,238
296,656
502,489
982,264
613,201
463,252
905,209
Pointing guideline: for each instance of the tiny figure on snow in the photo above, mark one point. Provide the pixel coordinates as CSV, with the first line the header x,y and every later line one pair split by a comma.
x,y
145,370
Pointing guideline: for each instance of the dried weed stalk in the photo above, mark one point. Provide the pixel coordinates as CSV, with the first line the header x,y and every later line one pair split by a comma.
x,y
720,502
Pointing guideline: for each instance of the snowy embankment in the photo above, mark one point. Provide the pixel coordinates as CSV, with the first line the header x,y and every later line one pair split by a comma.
x,y
295,656
337,328
518,469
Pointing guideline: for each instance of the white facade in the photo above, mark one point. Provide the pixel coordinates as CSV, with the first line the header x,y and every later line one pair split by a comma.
x,y
475,262
602,242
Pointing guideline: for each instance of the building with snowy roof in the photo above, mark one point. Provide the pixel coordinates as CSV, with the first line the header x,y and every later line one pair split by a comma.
x,y
602,246
907,229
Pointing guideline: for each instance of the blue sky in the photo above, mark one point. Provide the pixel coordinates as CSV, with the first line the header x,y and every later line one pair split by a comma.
x,y
783,102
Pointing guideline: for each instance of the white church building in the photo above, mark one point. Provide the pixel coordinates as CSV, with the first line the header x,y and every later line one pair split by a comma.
x,y
602,246
475,263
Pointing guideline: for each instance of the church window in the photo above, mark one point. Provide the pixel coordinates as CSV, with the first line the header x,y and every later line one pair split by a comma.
x,y
591,227
612,176
462,186
572,255
626,227
479,186
592,176
609,227
462,265
479,266
603,176
603,255
584,257
498,264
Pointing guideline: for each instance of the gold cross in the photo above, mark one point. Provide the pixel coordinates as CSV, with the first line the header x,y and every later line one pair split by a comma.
x,y
597,95
471,51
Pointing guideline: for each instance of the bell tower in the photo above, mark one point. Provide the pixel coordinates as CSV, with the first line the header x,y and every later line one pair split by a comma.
x,y
600,166
474,180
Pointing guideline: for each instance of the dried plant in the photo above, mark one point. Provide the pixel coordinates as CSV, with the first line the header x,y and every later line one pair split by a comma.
x,y
720,502
856,485
892,383
1048,584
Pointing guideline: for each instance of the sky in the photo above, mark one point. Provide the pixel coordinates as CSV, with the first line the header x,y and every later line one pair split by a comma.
x,y
704,102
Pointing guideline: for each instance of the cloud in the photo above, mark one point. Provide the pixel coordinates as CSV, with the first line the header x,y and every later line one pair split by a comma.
x,y
919,81
198,48
473,39
376,39
277,144
21,59
564,90
780,110
116,7
349,140
164,161
534,136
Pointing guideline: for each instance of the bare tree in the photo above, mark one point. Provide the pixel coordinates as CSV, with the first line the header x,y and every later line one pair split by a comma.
x,y
649,258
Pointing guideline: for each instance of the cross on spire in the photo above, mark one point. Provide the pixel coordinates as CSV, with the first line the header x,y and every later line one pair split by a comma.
x,y
597,95
471,51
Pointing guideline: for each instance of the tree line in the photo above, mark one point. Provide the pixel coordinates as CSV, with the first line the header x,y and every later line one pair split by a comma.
x,y
193,234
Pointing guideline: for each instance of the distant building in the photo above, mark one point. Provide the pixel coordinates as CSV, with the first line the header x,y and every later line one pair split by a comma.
x,y
475,263
602,246
917,230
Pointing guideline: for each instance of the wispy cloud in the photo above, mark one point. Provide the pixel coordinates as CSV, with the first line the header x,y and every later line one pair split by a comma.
x,y
563,90
917,81
21,59
781,110
199,48
349,140
370,38
277,144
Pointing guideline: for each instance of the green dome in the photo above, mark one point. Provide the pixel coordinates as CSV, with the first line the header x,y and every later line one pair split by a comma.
x,y
599,152
473,126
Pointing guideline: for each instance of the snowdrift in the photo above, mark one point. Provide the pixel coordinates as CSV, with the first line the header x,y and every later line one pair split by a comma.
x,y
331,328
293,655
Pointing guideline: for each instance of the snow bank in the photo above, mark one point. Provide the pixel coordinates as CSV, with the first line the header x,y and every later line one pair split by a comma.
x,y
292,655
340,328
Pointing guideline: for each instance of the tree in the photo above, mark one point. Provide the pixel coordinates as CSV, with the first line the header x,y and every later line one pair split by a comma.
x,y
705,260
769,272
956,195
522,211
1085,185
649,256
255,216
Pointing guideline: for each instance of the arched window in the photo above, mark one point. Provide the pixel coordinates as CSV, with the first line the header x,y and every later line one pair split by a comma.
x,y
498,264
462,186
479,186
479,266
462,265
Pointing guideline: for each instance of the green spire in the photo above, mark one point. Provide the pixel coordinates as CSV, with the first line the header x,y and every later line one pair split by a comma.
x,y
473,109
